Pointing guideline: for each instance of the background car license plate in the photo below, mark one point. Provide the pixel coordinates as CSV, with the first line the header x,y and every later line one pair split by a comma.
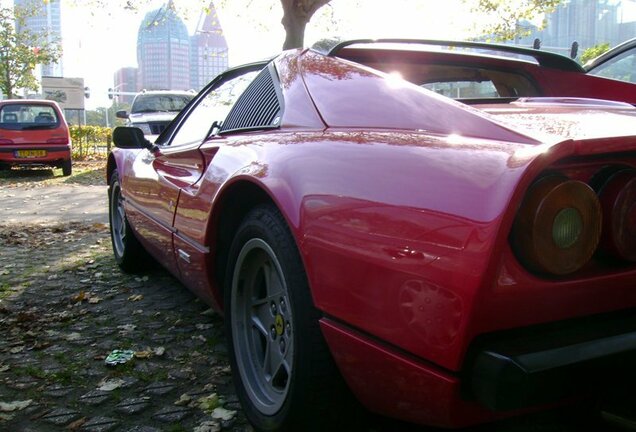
x,y
30,153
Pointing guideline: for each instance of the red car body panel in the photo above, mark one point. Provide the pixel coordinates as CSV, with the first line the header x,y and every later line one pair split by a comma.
x,y
401,203
54,141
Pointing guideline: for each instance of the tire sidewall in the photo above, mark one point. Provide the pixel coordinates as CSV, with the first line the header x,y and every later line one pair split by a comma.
x,y
296,284
113,186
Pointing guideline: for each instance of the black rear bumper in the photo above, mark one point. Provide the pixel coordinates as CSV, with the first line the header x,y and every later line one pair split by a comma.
x,y
543,364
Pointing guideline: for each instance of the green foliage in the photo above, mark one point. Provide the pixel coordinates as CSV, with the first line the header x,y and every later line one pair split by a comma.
x,y
505,15
593,52
90,140
21,51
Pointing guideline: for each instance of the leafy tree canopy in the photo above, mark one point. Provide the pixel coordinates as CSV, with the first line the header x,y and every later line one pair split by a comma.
x,y
504,16
593,52
21,51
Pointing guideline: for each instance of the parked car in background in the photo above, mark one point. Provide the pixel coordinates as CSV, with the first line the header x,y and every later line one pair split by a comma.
x,y
34,133
152,111
618,63
452,261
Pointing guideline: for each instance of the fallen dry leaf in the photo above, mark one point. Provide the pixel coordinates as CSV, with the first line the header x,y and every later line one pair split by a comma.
x,y
77,424
110,385
183,400
223,414
15,405
143,354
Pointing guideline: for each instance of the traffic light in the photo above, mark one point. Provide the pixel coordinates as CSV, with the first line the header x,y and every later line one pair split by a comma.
x,y
87,92
574,50
110,93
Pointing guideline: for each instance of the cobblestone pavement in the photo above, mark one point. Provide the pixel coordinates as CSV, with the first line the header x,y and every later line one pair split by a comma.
x,y
65,306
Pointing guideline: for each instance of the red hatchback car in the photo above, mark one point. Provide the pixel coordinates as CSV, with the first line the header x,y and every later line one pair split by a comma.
x,y
451,261
34,133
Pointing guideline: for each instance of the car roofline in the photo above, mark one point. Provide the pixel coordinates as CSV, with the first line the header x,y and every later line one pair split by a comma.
x,y
331,47
610,54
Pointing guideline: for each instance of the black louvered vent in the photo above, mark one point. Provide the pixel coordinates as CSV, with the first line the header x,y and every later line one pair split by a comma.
x,y
258,107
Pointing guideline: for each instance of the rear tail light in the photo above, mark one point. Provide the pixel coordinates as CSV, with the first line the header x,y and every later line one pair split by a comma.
x,y
57,140
618,201
558,226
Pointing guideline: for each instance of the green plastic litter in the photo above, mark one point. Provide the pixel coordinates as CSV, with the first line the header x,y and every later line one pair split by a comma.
x,y
119,357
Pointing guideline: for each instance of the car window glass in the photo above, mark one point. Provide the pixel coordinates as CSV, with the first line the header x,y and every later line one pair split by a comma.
x,y
622,67
464,89
28,116
214,107
159,103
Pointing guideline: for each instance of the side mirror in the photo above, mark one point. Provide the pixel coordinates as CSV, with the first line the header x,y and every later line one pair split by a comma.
x,y
121,114
131,138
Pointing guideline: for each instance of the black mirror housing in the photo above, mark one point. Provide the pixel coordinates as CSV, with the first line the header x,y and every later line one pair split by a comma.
x,y
130,138
121,114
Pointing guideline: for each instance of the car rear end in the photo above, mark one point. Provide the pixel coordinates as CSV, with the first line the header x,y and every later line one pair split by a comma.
x,y
34,133
556,316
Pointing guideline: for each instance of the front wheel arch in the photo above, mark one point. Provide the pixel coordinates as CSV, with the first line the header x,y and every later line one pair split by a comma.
x,y
232,207
311,394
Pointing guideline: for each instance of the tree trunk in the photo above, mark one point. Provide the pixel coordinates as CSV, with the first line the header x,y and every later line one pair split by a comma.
x,y
294,30
296,15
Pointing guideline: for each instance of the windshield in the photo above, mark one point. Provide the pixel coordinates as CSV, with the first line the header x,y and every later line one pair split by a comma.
x,y
28,116
622,67
160,103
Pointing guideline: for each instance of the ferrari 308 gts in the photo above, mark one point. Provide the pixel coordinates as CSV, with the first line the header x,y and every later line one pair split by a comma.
x,y
437,233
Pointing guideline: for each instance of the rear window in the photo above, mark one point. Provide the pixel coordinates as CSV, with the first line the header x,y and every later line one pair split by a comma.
x,y
145,103
28,116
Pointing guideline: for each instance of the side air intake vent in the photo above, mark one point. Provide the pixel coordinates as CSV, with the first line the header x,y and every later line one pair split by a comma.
x,y
258,107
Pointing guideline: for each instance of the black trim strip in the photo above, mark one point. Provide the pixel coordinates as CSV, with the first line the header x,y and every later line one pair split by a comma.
x,y
196,245
544,58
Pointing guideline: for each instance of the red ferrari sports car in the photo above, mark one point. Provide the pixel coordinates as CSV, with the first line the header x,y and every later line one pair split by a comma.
x,y
451,261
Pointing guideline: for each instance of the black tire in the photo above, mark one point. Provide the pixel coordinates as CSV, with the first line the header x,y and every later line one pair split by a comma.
x,y
67,168
267,303
129,253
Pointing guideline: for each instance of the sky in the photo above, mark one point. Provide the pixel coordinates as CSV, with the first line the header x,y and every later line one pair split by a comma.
x,y
98,41
96,44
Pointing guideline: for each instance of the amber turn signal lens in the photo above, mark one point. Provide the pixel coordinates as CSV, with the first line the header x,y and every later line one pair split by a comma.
x,y
558,226
618,201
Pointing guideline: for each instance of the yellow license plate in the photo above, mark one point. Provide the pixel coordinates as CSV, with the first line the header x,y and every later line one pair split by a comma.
x,y
30,153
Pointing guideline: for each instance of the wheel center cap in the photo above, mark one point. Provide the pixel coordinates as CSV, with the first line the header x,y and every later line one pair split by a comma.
x,y
279,324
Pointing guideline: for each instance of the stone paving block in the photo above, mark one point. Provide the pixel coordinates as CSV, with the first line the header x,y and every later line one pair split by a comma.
x,y
61,416
143,429
159,388
162,339
95,397
171,414
100,424
58,391
23,383
132,406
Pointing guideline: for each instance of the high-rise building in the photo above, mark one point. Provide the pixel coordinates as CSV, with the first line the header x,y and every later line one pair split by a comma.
x,y
208,49
47,18
163,51
125,80
587,22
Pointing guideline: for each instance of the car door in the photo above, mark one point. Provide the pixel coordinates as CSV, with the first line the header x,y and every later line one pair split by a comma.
x,y
176,164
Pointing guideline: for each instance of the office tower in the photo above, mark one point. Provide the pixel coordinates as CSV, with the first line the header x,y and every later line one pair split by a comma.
x,y
163,51
208,49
